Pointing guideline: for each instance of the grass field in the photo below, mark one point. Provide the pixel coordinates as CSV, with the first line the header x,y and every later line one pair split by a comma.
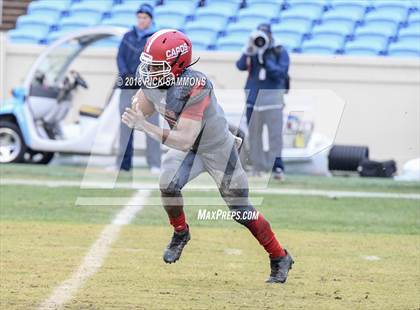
x,y
350,253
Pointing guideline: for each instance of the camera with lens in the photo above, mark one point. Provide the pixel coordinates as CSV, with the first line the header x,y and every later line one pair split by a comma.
x,y
260,40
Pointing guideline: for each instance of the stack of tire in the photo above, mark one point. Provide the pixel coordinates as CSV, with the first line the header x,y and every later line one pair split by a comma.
x,y
347,157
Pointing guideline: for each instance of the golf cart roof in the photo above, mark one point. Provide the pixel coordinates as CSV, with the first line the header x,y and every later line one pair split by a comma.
x,y
86,35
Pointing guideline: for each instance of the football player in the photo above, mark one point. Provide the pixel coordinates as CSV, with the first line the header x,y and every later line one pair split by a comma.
x,y
199,141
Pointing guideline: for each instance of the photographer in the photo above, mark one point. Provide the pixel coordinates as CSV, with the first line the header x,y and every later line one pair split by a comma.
x,y
267,67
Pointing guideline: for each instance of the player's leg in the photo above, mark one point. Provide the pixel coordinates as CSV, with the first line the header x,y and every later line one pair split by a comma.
x,y
177,169
233,186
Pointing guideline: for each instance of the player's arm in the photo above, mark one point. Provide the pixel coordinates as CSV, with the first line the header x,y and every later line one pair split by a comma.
x,y
140,102
184,135
181,137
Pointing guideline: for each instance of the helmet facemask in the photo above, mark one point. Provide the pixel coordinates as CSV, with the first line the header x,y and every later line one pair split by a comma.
x,y
154,73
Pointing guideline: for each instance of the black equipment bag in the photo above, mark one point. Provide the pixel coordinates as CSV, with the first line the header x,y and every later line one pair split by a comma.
x,y
384,169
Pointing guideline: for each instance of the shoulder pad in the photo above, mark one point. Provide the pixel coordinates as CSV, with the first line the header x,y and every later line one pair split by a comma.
x,y
188,80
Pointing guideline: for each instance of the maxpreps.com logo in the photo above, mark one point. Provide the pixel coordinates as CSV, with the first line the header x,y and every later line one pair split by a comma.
x,y
174,52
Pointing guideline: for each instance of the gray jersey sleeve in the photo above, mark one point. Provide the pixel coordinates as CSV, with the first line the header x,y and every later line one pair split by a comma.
x,y
192,88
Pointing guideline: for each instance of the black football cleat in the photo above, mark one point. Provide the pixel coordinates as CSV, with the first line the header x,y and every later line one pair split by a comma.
x,y
174,249
280,268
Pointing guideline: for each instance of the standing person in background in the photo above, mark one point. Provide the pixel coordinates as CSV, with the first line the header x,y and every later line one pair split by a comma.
x,y
128,59
268,67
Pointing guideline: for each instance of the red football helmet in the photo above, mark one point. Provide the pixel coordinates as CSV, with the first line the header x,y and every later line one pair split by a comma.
x,y
165,56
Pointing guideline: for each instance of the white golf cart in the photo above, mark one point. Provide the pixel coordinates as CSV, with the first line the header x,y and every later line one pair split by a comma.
x,y
34,123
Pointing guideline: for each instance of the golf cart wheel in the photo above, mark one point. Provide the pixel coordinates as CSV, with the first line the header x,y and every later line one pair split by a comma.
x,y
37,157
12,146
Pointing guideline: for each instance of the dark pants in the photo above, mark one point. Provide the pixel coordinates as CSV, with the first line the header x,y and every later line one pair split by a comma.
x,y
273,119
125,155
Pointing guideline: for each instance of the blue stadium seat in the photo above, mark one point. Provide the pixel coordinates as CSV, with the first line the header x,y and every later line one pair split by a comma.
x,y
90,8
299,26
201,38
119,21
220,3
214,10
405,48
107,3
27,35
130,17
354,14
48,6
206,35
303,11
254,20
238,36
180,2
200,46
414,25
323,4
243,27
317,50
291,41
170,20
229,44
324,43
383,28
76,22
365,5
203,24
395,15
139,2
209,22
415,5
269,12
413,30
112,42
128,7
252,2
414,17
367,44
361,52
186,9
263,6
397,4
52,36
38,20
403,53
344,27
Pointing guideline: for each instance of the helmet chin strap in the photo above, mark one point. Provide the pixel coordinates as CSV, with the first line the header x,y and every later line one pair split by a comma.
x,y
175,61
193,63
177,58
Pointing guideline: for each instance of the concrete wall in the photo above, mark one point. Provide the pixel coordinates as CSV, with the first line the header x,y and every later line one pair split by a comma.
x,y
381,95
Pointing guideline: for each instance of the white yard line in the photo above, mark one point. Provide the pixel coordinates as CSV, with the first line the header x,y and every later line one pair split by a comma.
x,y
273,191
338,194
96,255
